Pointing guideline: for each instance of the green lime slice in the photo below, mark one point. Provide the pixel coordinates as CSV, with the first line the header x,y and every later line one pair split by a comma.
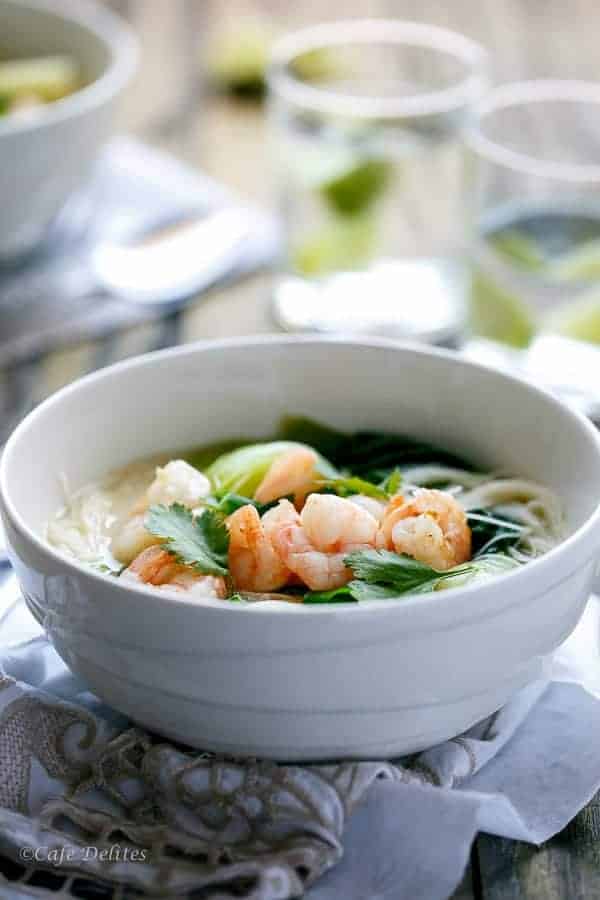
x,y
497,314
518,248
340,245
355,190
581,264
579,319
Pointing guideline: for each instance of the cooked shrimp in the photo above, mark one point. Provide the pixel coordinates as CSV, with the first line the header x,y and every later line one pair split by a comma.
x,y
177,482
131,539
253,562
293,474
430,526
157,567
377,508
313,544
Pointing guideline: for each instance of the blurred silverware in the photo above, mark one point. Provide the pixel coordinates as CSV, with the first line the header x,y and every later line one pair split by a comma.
x,y
173,261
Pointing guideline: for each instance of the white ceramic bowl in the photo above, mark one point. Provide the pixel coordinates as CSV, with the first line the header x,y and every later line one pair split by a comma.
x,y
297,682
44,159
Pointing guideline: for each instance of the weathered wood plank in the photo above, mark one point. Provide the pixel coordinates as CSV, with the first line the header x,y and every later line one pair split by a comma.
x,y
565,868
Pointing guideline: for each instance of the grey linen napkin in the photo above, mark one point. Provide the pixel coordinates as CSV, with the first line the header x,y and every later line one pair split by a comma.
x,y
85,794
51,300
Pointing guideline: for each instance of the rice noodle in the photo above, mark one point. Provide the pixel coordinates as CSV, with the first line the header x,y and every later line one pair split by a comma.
x,y
530,504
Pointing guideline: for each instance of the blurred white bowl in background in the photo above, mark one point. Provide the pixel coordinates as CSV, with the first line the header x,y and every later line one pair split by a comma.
x,y
45,157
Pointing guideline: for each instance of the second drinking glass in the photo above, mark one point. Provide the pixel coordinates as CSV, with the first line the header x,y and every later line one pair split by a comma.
x,y
366,120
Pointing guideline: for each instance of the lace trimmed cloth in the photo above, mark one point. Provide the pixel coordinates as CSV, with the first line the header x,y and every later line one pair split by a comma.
x,y
83,794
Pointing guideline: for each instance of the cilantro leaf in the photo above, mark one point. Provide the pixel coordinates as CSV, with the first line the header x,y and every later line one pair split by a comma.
x,y
397,571
199,541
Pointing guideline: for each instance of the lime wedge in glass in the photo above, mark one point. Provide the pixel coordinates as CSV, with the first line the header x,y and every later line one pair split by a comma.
x,y
343,244
497,314
356,189
579,319
518,248
581,264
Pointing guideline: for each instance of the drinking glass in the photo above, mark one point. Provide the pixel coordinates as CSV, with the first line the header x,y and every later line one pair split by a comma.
x,y
535,154
366,123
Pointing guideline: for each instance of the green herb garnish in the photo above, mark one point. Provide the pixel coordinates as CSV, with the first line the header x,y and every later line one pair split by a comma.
x,y
492,531
336,595
242,470
199,541
372,455
391,483
346,487
230,502
398,571
382,575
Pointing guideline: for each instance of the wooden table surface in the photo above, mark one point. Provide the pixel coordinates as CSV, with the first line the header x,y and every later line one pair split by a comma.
x,y
169,104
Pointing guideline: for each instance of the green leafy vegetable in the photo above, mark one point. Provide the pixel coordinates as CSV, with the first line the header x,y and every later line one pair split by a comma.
x,y
242,470
392,482
324,439
382,575
492,531
4,104
336,595
229,503
346,487
372,455
398,571
199,541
